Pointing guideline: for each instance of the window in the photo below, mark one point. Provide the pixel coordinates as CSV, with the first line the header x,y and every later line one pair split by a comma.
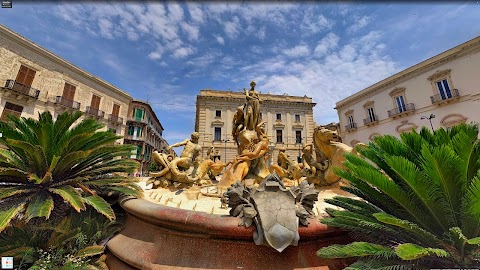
x,y
218,113
260,117
298,136
279,116
371,114
25,76
444,89
112,130
116,109
351,122
279,136
69,92
131,130
13,109
139,131
139,151
218,134
95,104
400,101
138,114
297,117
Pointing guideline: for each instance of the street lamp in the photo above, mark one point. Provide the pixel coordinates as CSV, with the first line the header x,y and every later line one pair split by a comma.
x,y
299,142
225,141
429,119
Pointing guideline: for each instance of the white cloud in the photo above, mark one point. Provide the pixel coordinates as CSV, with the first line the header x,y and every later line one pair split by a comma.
x,y
359,23
297,51
220,40
192,31
232,28
183,52
314,23
105,28
328,43
155,55
196,13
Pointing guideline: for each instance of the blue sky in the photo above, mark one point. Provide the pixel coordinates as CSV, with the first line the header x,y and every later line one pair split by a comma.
x,y
167,52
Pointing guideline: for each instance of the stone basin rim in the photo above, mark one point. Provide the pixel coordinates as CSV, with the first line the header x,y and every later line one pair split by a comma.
x,y
211,225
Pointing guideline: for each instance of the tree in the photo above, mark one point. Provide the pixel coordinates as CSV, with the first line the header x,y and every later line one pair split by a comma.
x,y
420,202
48,164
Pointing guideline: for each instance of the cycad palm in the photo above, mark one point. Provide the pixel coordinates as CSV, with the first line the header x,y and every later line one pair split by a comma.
x,y
421,202
47,163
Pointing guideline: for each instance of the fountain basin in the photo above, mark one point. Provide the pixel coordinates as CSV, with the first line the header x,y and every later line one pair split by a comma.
x,y
162,237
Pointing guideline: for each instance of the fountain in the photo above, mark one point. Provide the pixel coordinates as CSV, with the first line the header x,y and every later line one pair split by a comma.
x,y
184,221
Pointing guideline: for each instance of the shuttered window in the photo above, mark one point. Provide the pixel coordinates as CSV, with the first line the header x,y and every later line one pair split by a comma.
x,y
25,76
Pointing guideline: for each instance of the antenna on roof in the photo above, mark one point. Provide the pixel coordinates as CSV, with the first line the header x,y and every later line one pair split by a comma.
x,y
148,97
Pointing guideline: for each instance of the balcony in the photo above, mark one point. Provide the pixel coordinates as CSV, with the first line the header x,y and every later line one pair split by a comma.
x,y
399,111
137,119
22,89
370,120
445,98
115,119
351,127
134,138
95,112
67,102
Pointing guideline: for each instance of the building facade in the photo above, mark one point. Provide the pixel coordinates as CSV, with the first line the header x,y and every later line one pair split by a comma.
x,y
439,92
289,121
144,130
34,80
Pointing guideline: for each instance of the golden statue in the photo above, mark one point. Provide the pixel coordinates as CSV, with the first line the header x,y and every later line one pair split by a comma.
x,y
252,107
327,143
252,142
287,168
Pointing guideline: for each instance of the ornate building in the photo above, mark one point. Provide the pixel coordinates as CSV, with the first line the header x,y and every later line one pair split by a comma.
x,y
144,130
289,121
33,80
439,92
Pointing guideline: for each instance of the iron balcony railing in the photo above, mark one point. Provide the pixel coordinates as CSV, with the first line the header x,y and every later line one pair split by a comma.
x,y
134,137
95,112
21,88
370,120
439,97
67,102
137,119
115,118
351,126
410,107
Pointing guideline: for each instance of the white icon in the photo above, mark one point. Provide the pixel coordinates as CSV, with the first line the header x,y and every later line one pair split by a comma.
x,y
7,262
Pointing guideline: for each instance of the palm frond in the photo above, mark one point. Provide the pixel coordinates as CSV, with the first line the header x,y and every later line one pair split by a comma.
x,y
356,249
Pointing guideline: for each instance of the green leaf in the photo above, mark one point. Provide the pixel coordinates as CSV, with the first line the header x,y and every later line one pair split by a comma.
x,y
355,249
474,241
408,226
100,205
70,195
90,251
6,215
12,191
40,206
411,251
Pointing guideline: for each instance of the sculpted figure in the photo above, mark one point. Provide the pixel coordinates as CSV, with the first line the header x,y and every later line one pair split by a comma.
x,y
282,164
288,169
252,107
252,152
310,164
189,153
329,143
238,123
209,167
